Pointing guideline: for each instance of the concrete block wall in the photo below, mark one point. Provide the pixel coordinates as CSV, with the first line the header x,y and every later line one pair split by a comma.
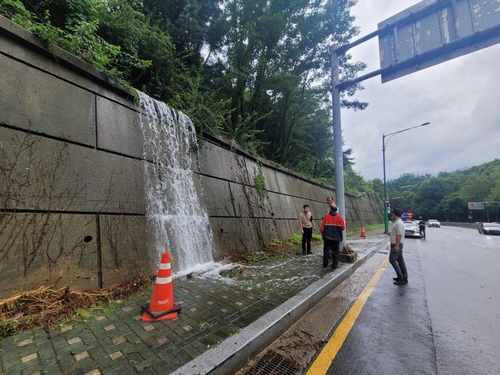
x,y
72,200
242,220
71,171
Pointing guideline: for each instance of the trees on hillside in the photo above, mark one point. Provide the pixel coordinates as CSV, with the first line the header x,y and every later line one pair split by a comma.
x,y
253,71
446,196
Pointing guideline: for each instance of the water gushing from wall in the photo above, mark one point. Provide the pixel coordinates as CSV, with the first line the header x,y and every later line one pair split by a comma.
x,y
177,221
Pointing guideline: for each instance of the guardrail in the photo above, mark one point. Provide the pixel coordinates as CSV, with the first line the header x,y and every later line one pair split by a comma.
x,y
459,224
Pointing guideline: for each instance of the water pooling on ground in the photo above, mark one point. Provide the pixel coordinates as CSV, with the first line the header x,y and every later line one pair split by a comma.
x,y
177,221
285,275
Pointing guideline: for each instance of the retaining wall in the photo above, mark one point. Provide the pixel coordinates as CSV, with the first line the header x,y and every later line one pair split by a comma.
x,y
72,195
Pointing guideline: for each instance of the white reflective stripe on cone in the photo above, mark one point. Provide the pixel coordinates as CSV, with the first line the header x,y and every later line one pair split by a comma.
x,y
164,280
165,266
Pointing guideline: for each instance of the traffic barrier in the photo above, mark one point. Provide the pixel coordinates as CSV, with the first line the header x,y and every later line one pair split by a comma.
x,y
162,306
363,232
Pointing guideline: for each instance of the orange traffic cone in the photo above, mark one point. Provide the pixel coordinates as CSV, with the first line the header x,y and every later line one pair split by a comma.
x,y
161,306
363,233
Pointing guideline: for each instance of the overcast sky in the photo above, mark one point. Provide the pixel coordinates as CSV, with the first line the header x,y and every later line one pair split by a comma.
x,y
460,97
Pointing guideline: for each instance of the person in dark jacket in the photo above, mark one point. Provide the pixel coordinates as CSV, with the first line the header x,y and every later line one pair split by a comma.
x,y
421,227
331,229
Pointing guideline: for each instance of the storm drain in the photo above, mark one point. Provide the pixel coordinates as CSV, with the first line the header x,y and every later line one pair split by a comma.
x,y
273,364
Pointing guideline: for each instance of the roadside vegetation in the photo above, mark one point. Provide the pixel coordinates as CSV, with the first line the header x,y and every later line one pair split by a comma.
x,y
280,249
445,197
49,307
254,72
251,71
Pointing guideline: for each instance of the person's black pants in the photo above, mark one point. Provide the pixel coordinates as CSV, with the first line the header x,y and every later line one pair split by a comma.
x,y
306,240
422,231
398,262
333,246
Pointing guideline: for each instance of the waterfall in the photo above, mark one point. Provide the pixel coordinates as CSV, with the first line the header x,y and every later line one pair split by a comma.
x,y
177,221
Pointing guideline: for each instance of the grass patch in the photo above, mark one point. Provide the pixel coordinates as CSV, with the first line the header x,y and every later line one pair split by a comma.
x,y
277,249
356,231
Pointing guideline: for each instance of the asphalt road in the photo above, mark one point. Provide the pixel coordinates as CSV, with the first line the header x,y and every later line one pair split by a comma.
x,y
444,321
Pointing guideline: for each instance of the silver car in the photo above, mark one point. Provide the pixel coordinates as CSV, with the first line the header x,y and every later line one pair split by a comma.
x,y
488,228
412,229
433,223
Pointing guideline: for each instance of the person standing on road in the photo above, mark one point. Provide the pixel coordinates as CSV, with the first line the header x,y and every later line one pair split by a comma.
x,y
306,224
331,229
421,227
330,202
396,258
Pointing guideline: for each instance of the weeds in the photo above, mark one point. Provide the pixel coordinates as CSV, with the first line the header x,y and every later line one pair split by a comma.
x,y
203,325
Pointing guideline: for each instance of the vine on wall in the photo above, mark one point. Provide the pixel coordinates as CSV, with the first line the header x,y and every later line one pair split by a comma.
x,y
260,181
33,197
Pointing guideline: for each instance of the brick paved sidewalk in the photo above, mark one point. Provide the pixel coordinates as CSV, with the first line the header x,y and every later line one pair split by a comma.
x,y
116,341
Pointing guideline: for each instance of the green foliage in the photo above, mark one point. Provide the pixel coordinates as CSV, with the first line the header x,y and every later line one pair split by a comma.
x,y
446,196
260,181
203,325
256,257
82,314
317,237
354,232
253,71
295,238
8,328
74,25
276,242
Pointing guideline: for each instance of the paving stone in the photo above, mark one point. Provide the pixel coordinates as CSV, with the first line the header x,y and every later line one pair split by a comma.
x,y
87,337
35,369
191,351
80,356
108,366
66,328
25,342
96,351
46,353
162,367
29,357
74,340
212,311
115,355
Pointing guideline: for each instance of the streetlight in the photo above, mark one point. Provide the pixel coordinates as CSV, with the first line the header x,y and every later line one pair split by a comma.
x,y
384,144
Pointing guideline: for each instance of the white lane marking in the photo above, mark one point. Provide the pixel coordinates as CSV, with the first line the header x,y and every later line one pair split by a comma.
x,y
484,247
457,237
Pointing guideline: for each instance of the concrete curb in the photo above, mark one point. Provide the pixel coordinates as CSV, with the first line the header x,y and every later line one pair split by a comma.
x,y
237,350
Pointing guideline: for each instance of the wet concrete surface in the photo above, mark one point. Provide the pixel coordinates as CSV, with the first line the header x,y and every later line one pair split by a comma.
x,y
245,308
299,345
393,331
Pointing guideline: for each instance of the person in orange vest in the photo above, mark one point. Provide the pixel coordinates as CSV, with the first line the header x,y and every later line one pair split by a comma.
x,y
331,229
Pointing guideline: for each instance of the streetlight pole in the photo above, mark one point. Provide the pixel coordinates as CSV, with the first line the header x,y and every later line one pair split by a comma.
x,y
384,145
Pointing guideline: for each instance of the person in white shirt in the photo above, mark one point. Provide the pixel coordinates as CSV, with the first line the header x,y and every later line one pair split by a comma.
x,y
397,234
306,224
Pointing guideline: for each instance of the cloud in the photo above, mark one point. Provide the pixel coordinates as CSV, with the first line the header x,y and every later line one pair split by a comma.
x,y
459,97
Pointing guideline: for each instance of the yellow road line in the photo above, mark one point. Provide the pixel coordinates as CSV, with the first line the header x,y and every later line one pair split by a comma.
x,y
323,361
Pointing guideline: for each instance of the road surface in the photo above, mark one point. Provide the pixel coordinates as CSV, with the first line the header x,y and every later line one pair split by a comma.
x,y
444,321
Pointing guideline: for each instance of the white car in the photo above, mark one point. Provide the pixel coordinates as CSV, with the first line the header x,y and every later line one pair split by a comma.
x,y
411,229
433,223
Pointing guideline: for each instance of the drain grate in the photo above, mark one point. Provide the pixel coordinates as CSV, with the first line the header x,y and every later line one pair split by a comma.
x,y
273,364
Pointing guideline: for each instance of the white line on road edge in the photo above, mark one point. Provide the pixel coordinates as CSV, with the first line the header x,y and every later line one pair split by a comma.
x,y
484,247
